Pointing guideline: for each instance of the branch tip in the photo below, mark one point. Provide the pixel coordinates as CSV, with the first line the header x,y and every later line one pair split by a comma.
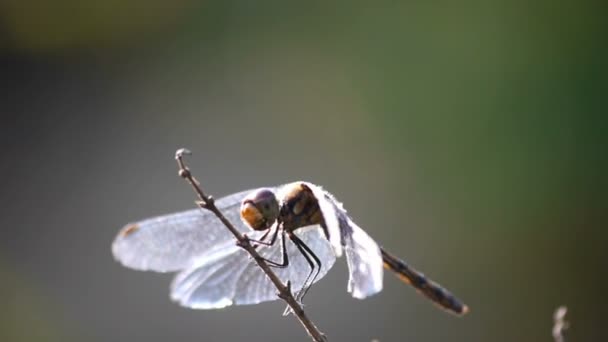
x,y
559,323
179,154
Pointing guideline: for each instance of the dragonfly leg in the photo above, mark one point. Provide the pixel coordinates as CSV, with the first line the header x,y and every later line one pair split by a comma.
x,y
310,256
263,237
284,257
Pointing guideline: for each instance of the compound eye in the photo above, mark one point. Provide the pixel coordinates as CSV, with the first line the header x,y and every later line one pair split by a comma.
x,y
260,209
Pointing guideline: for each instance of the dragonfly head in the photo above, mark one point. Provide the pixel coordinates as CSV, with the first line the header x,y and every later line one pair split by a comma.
x,y
260,209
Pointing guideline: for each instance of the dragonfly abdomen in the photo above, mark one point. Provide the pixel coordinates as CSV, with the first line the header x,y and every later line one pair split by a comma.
x,y
433,291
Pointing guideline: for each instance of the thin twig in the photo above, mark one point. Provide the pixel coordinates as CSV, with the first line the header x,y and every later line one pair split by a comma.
x,y
559,323
284,291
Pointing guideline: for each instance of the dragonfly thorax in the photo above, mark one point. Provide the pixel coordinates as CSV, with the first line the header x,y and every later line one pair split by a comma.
x,y
299,207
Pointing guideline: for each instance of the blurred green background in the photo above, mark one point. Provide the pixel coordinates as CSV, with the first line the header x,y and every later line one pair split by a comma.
x,y
469,138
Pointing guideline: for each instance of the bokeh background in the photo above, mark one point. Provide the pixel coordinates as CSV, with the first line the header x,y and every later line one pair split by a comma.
x,y
467,137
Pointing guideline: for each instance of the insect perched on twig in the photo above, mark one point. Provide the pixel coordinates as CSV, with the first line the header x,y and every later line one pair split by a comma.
x,y
298,229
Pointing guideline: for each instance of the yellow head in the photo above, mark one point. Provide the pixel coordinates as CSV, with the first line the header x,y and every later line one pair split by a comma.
x,y
260,209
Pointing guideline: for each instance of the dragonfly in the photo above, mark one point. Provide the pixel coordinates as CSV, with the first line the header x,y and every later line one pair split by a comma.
x,y
298,228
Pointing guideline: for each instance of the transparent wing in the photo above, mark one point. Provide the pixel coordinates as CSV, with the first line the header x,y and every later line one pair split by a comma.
x,y
171,242
365,265
227,275
363,255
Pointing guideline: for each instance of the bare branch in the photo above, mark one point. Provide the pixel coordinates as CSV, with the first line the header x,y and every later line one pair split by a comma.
x,y
559,323
284,291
